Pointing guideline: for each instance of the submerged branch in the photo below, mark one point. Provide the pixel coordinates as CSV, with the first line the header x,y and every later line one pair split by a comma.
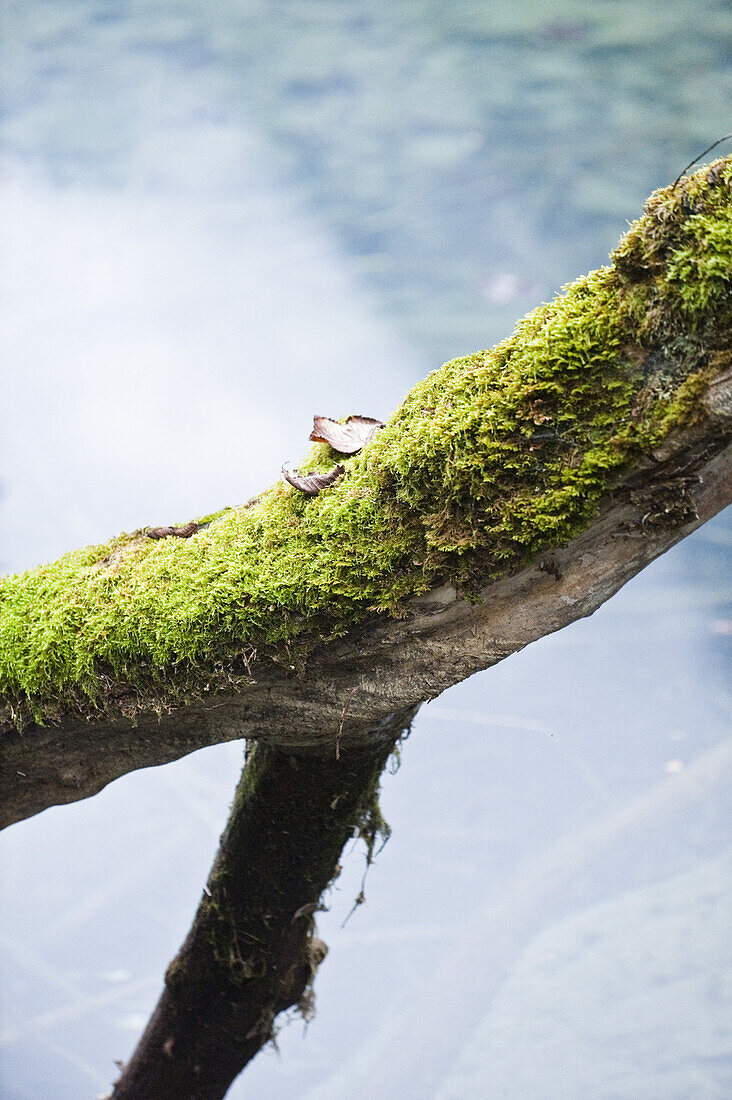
x,y
251,952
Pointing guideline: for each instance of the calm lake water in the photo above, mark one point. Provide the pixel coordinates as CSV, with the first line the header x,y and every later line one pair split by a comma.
x,y
218,220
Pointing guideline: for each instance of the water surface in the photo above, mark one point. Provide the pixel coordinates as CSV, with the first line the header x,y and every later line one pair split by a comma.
x,y
217,221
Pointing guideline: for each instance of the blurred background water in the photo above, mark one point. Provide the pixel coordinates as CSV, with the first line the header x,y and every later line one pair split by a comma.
x,y
218,220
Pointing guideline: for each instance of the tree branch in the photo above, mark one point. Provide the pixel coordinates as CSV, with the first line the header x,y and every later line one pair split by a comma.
x,y
251,952
512,492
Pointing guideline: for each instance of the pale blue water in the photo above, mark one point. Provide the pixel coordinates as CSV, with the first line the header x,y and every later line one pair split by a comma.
x,y
217,220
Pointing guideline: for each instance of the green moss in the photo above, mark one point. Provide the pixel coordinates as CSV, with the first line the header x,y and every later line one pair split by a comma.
x,y
490,459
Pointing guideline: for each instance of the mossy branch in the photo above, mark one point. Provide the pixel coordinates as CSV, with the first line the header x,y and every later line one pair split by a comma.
x,y
459,534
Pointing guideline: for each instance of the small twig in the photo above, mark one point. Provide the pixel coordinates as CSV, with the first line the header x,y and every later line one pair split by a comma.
x,y
344,712
370,857
694,161
359,901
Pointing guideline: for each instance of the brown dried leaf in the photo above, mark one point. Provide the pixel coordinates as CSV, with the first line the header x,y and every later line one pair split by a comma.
x,y
183,532
346,438
311,484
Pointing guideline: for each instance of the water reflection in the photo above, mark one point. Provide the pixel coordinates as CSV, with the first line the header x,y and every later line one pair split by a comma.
x,y
219,220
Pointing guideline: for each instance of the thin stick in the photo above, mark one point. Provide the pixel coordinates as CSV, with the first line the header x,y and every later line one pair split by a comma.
x,y
344,712
694,161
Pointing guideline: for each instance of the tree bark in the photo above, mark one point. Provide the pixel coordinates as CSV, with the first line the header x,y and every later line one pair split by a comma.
x,y
251,952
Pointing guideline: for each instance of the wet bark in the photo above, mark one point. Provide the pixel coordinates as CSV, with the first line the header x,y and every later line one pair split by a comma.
x,y
251,952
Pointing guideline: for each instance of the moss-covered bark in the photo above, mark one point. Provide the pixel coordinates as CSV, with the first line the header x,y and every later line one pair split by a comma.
x,y
490,460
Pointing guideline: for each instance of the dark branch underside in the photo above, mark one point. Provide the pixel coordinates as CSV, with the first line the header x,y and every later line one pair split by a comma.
x,y
251,952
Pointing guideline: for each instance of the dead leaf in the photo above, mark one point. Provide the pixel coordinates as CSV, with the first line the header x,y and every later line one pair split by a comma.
x,y
346,438
311,484
183,532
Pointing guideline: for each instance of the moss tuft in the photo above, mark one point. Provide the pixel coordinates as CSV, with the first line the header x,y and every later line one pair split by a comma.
x,y
490,459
